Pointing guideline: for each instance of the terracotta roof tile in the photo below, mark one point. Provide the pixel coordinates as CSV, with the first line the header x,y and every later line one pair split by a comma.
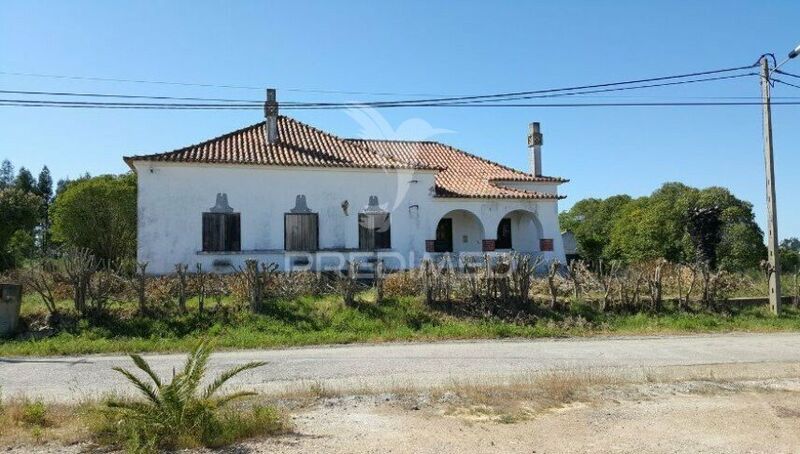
x,y
460,174
463,174
299,145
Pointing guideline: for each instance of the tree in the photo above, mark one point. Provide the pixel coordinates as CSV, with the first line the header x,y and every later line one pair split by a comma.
x,y
44,189
656,226
44,185
790,254
98,214
19,212
25,181
590,220
6,174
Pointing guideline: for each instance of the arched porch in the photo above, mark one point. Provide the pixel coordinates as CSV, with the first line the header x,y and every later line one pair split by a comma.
x,y
519,230
458,231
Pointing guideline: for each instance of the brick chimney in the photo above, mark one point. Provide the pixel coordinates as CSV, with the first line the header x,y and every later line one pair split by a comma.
x,y
535,148
271,116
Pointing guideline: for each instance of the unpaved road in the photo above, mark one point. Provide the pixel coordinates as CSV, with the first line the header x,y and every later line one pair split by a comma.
x,y
416,364
654,419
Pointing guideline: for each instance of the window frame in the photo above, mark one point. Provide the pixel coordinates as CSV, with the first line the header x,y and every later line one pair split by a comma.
x,y
286,232
380,240
227,227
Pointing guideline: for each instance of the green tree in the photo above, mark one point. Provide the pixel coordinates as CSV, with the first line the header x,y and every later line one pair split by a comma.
x,y
98,214
25,181
6,174
44,188
790,254
656,226
44,185
591,220
19,212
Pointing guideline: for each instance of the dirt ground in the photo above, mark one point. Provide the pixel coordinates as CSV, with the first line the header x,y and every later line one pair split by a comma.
x,y
744,408
697,417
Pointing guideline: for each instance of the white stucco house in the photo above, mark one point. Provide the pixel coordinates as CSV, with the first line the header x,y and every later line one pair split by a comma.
x,y
285,192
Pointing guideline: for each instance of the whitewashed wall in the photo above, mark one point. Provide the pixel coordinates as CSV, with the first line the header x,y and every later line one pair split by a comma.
x,y
172,198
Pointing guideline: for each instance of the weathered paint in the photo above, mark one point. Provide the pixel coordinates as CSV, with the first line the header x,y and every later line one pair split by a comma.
x,y
173,196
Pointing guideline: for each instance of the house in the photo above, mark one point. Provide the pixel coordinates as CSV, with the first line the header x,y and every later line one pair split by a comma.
x,y
285,192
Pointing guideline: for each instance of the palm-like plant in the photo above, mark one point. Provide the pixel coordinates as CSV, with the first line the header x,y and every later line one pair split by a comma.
x,y
179,411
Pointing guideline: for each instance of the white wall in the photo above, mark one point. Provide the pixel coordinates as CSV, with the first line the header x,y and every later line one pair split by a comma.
x,y
172,198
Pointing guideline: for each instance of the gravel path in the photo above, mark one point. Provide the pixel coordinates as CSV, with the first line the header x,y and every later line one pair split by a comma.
x,y
414,364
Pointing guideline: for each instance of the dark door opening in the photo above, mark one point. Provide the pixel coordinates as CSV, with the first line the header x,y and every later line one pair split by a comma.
x,y
503,234
444,236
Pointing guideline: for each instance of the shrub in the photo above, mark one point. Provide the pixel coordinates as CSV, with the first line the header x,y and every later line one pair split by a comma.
x,y
178,414
30,413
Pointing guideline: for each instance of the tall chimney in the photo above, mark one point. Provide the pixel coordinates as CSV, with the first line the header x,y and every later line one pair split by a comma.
x,y
271,116
535,148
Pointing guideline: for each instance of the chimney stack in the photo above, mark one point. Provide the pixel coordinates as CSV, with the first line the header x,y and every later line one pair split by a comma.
x,y
271,116
535,148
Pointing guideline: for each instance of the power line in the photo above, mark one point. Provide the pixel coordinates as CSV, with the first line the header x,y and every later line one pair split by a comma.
x,y
110,95
345,104
787,74
784,83
485,100
583,87
161,106
209,85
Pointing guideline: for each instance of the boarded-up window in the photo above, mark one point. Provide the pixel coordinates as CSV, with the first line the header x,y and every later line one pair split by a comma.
x,y
546,244
374,231
221,232
300,231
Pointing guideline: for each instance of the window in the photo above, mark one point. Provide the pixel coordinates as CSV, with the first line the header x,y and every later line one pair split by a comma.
x,y
221,232
301,231
503,234
374,231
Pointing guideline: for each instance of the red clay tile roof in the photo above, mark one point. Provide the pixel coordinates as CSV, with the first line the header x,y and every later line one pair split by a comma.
x,y
460,174
463,174
299,145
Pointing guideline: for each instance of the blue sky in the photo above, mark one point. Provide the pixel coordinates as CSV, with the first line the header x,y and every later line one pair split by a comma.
x,y
464,47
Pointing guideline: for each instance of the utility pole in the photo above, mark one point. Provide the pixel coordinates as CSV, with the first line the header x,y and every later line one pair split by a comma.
x,y
772,217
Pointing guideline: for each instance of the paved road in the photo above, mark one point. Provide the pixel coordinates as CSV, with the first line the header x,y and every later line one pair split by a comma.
x,y
71,378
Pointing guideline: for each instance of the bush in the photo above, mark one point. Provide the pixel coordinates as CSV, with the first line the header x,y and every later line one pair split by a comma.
x,y
30,413
178,414
402,283
98,214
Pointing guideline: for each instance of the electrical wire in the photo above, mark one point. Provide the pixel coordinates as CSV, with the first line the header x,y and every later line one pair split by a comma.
x,y
157,106
785,83
787,74
207,85
484,100
348,104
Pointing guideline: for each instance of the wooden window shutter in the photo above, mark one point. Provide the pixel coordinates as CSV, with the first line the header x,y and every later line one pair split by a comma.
x,y
374,231
233,232
301,231
366,238
209,232
383,231
221,232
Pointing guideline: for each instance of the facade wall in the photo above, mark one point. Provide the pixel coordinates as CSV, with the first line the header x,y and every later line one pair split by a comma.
x,y
172,198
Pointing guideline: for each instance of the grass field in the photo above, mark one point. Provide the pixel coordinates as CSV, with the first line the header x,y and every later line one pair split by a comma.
x,y
326,320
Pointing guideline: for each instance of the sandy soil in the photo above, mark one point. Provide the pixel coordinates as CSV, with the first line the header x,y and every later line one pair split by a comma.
x,y
757,412
696,418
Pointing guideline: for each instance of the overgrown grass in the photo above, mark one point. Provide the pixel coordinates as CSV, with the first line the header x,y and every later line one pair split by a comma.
x,y
326,320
